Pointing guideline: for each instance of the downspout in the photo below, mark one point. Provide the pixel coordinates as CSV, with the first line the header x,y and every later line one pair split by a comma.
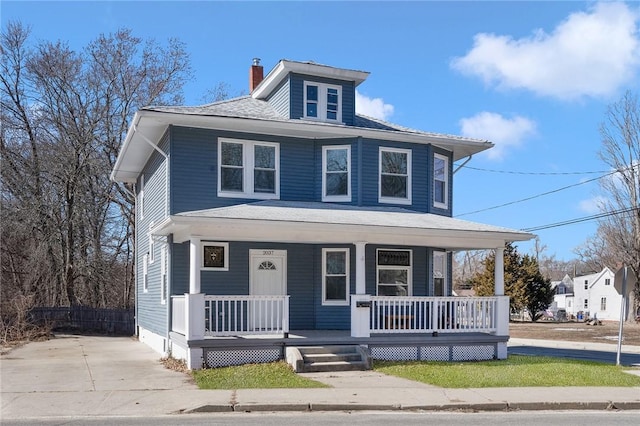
x,y
463,164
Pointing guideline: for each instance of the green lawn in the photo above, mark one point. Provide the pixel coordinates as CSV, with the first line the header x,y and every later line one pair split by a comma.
x,y
516,371
253,376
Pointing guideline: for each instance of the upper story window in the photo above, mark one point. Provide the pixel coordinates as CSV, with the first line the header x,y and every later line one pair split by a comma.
x,y
394,272
586,284
336,173
322,101
395,176
440,181
607,281
248,169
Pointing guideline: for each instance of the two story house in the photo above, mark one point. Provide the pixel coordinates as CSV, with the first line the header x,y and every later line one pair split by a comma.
x,y
285,214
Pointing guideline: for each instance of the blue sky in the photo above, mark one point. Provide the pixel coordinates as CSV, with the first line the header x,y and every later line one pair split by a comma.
x,y
535,78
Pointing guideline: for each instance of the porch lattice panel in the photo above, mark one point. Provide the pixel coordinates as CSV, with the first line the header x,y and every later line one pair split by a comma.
x,y
434,353
225,358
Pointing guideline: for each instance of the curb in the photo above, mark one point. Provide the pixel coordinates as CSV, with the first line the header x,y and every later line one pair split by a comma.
x,y
491,406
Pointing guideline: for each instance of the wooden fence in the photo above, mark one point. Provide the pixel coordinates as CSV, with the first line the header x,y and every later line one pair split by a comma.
x,y
86,319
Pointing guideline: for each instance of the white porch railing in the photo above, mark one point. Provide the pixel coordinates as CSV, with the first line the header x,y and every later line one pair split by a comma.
x,y
238,315
393,314
178,314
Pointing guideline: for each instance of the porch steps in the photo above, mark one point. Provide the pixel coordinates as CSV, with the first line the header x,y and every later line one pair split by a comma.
x,y
313,359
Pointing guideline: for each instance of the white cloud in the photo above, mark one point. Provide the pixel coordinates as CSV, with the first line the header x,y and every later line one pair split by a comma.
x,y
506,133
591,53
592,205
373,107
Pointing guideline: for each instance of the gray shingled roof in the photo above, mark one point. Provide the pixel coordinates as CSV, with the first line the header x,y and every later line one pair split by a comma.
x,y
256,109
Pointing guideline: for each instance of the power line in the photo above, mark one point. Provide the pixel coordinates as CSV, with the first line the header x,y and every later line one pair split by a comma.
x,y
534,173
581,219
537,196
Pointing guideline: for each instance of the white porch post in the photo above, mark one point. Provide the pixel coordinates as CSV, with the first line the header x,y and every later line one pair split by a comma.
x,y
502,308
194,306
360,302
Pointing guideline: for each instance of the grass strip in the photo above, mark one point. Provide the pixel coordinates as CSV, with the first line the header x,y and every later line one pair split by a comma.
x,y
515,371
253,376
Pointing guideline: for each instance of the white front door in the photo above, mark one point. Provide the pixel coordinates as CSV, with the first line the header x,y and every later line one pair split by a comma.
x,y
267,277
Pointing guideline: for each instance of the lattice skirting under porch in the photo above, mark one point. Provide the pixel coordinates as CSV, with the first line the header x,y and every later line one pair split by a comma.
x,y
434,353
228,357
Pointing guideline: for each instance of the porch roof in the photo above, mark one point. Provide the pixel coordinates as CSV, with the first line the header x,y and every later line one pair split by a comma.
x,y
312,222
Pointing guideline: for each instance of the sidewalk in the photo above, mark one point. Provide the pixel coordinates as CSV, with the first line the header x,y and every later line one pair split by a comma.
x,y
114,376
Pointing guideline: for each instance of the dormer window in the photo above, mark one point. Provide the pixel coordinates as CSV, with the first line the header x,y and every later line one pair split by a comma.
x,y
322,102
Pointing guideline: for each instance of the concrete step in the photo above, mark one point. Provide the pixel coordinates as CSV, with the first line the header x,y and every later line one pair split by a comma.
x,y
310,359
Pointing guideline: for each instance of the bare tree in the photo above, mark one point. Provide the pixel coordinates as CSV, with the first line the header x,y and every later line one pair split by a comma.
x,y
619,231
67,230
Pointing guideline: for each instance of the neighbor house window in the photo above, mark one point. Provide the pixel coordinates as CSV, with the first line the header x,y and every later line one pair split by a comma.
x,y
335,276
163,274
215,256
322,101
586,284
145,273
395,176
440,181
603,303
248,169
586,303
607,281
336,173
393,272
439,273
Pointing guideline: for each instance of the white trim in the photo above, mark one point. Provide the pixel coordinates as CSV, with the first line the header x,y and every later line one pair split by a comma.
x,y
443,255
347,273
409,269
322,103
142,196
338,198
394,200
248,166
438,204
225,251
151,244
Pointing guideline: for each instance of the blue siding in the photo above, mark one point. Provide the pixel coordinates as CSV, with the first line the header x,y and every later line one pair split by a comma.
x,y
152,314
279,99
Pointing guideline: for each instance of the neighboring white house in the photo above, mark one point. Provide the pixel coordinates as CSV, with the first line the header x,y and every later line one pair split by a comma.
x,y
595,295
563,297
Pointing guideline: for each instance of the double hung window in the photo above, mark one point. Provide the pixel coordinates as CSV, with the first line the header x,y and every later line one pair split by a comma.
x,y
439,273
163,274
603,303
394,272
395,176
336,173
440,181
248,169
145,273
335,276
322,102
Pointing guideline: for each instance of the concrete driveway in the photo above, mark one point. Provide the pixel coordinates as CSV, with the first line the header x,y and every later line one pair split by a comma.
x,y
92,375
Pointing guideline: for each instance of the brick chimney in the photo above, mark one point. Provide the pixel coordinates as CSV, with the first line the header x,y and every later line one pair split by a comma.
x,y
256,74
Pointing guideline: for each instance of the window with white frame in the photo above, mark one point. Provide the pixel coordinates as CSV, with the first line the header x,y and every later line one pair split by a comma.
x,y
607,281
215,256
322,101
586,304
163,274
586,284
335,276
248,169
440,181
440,273
152,247
603,303
336,173
145,273
395,176
394,272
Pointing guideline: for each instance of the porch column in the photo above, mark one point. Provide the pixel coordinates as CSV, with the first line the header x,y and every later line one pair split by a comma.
x,y
194,307
360,268
194,265
499,272
502,308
